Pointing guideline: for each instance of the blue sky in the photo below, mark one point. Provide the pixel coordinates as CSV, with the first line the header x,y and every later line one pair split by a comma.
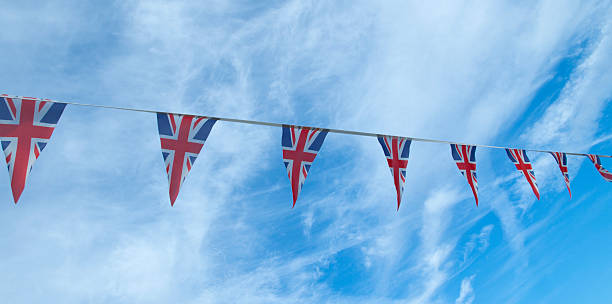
x,y
94,224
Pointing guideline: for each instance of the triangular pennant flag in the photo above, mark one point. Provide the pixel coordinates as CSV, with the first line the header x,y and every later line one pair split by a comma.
x,y
182,138
300,147
597,162
397,150
523,164
26,126
561,159
465,157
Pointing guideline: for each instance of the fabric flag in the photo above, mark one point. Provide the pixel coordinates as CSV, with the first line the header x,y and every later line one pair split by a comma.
x,y
597,162
300,147
182,138
561,159
522,163
26,126
465,157
397,150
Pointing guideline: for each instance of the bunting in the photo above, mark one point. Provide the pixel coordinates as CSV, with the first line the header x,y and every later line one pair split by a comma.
x,y
182,137
465,157
561,159
521,162
397,150
300,147
597,162
26,125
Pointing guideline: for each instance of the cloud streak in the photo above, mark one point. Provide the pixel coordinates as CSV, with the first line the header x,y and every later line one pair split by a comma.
x,y
467,72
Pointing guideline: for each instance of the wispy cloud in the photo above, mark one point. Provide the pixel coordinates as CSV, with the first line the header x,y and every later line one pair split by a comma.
x,y
106,233
466,293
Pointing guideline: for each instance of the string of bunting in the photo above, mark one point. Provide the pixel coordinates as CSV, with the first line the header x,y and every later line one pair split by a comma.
x,y
26,126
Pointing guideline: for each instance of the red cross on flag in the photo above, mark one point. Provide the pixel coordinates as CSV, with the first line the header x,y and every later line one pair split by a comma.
x,y
465,157
561,159
300,147
182,137
523,164
397,151
26,126
602,171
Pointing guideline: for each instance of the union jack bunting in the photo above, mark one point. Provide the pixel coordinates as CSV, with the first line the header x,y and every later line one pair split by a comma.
x,y
522,163
182,138
597,162
561,159
26,126
300,147
397,150
465,157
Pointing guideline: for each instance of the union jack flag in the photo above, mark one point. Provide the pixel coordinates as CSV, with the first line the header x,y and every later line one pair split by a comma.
x,y
522,163
26,126
597,162
182,138
465,157
561,159
300,147
397,150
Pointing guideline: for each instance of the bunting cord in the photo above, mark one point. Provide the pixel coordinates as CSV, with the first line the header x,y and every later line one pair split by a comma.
x,y
274,124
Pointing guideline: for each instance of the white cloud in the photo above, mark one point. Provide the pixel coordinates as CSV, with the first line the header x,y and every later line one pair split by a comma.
x,y
478,241
466,293
457,71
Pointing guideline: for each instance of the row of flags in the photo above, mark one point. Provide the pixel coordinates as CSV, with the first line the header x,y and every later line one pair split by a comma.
x,y
26,126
